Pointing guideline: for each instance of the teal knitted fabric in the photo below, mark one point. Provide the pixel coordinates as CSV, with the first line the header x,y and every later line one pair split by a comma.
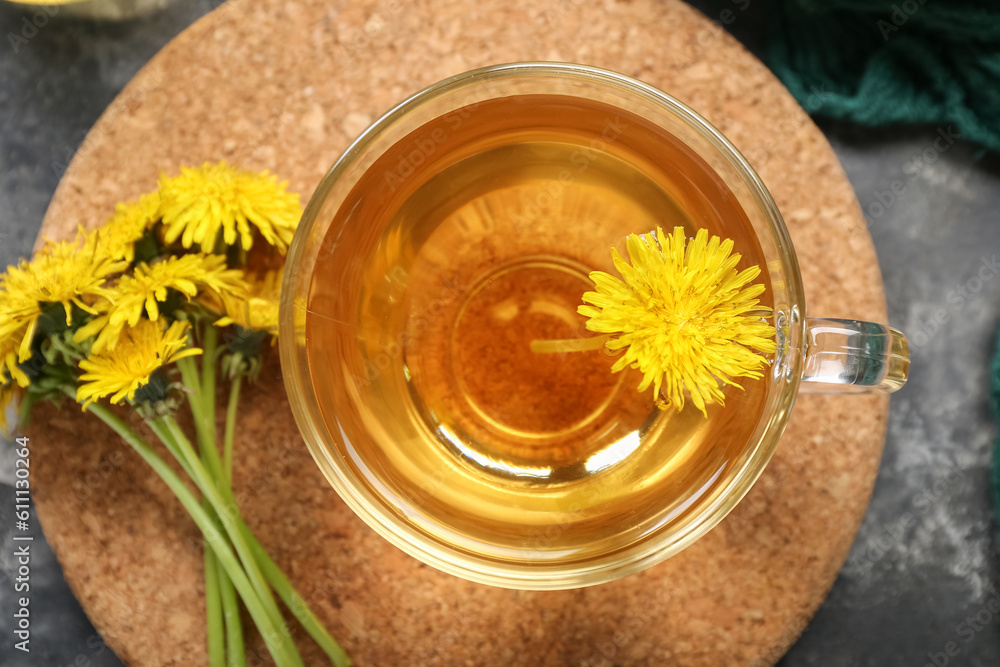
x,y
878,62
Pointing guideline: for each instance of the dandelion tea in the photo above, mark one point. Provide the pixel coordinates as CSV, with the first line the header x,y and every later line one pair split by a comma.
x,y
465,242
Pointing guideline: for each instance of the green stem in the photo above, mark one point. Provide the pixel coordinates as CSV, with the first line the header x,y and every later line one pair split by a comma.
x,y
196,399
227,439
282,586
208,377
295,602
215,577
213,609
564,345
202,400
202,403
166,428
276,644
234,627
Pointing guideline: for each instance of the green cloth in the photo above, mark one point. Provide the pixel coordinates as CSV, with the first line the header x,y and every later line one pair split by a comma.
x,y
905,61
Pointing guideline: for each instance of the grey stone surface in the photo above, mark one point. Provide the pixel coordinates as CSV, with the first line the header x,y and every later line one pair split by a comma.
x,y
924,562
922,572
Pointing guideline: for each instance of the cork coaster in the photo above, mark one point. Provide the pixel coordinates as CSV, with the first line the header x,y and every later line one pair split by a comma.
x,y
285,85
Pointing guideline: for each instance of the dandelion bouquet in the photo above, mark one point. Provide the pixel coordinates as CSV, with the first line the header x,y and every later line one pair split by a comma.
x,y
132,312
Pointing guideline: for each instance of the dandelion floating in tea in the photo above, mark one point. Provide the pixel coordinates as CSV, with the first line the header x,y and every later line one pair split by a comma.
x,y
681,314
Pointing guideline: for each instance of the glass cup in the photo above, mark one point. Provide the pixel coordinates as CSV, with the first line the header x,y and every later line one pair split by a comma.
x,y
101,10
827,355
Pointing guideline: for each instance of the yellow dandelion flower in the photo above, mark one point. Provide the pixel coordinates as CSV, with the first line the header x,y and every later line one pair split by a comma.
x,y
683,315
258,309
65,272
141,350
7,395
202,202
149,285
116,238
9,357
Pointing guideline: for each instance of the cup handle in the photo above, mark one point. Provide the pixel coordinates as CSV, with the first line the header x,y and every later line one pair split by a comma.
x,y
853,357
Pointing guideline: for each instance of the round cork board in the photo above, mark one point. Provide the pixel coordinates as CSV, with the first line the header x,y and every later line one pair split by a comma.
x,y
285,85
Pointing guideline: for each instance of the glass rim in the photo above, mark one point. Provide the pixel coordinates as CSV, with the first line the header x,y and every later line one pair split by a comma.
x,y
538,576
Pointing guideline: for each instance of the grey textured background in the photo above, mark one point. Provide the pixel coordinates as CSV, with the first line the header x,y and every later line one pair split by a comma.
x,y
922,567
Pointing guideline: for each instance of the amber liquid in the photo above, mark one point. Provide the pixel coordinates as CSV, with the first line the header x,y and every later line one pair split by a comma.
x,y
468,240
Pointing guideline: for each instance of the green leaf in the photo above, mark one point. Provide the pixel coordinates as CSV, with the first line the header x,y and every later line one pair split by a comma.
x,y
147,248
